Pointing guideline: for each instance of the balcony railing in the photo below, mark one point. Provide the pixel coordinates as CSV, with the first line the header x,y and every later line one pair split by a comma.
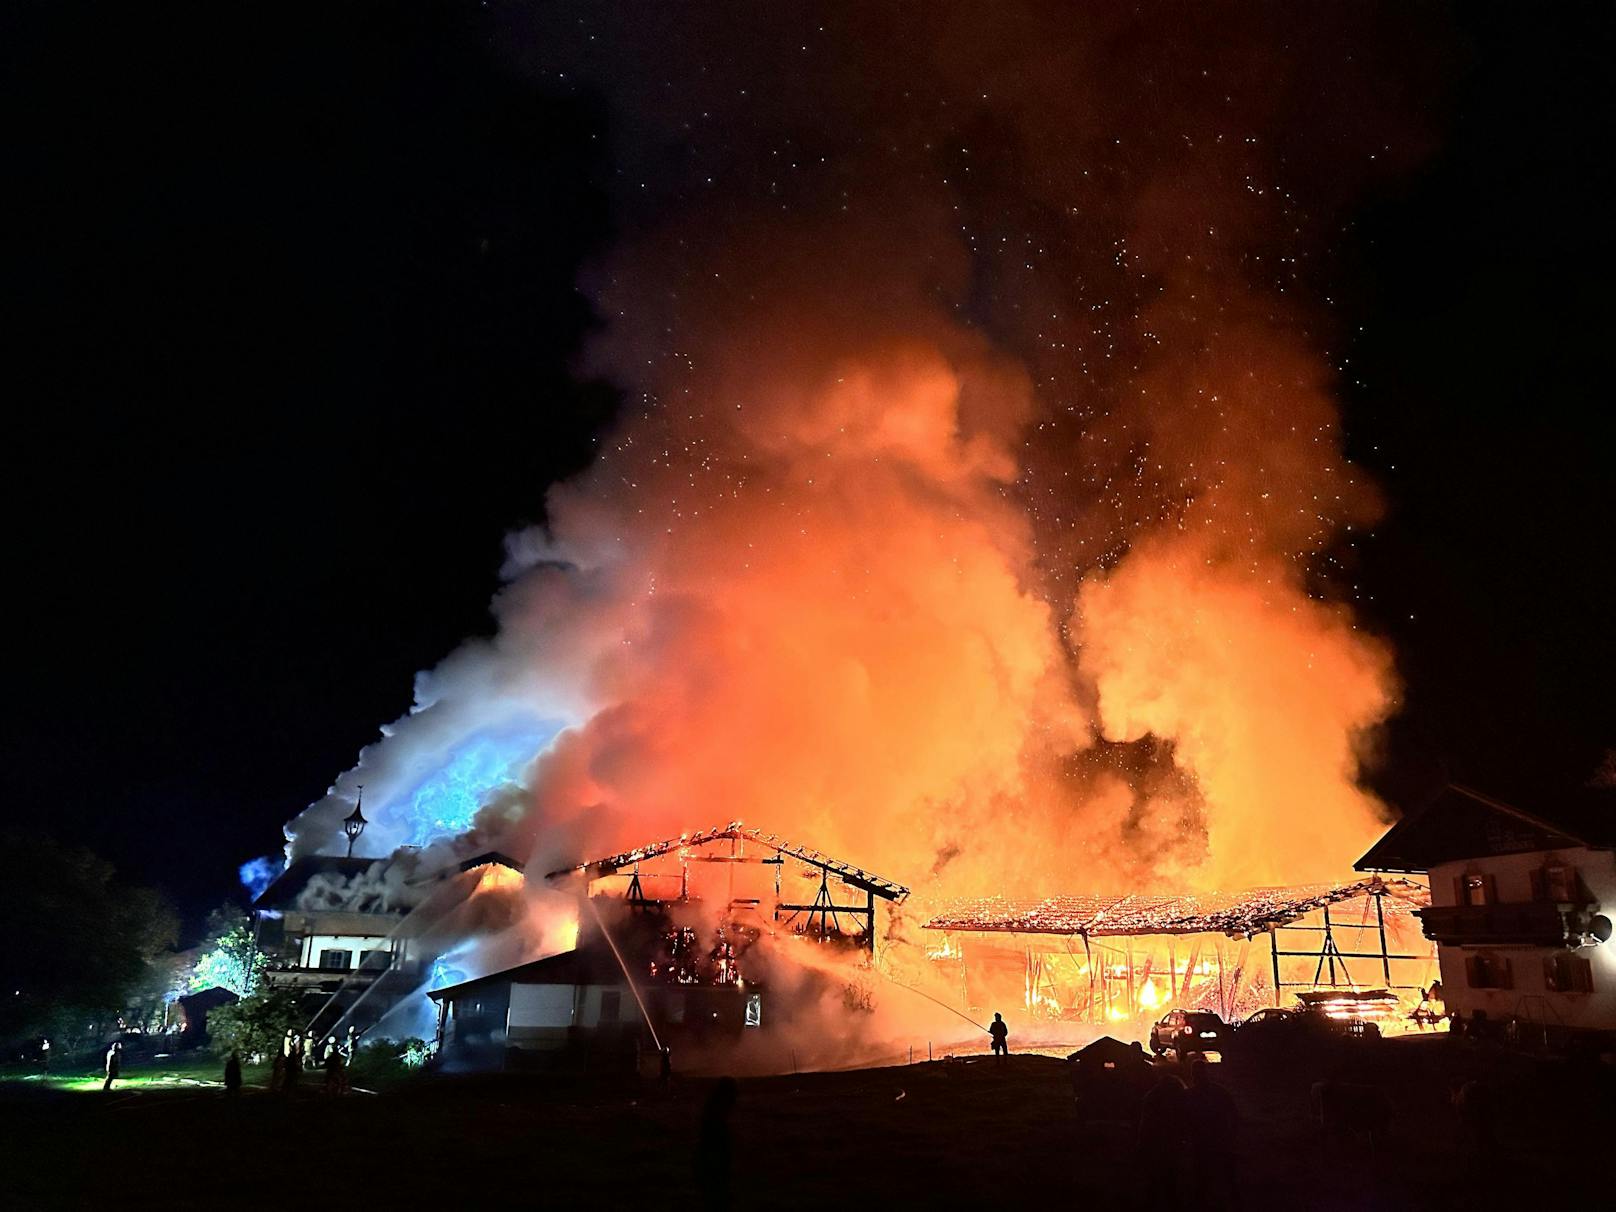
x,y
1530,924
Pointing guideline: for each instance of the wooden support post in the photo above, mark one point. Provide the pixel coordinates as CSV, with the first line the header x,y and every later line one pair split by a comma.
x,y
1380,922
1329,945
1133,1010
1273,944
869,922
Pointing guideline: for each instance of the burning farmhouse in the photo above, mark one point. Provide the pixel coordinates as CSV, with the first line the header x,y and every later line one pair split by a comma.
x,y
690,941
357,939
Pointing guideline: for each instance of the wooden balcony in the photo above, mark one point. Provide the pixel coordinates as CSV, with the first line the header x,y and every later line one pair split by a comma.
x,y
1528,924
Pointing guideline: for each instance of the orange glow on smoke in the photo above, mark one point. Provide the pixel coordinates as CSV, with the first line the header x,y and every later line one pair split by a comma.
x,y
844,644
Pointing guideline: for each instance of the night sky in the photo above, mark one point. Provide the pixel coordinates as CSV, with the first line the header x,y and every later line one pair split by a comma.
x,y
291,325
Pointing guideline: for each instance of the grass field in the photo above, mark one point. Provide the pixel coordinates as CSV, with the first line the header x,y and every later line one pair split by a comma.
x,y
947,1134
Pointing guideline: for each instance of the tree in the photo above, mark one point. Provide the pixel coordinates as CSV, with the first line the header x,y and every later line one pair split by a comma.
x,y
83,942
227,957
258,1022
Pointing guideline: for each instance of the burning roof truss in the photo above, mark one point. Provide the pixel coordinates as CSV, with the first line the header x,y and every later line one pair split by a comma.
x,y
1238,915
824,916
853,876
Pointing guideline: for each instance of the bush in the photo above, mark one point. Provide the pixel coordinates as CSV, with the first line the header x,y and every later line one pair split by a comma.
x,y
257,1023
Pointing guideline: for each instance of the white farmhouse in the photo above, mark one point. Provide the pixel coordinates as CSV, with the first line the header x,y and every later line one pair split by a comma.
x,y
1521,908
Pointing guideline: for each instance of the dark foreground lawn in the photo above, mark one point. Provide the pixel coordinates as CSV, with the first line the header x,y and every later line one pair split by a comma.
x,y
949,1134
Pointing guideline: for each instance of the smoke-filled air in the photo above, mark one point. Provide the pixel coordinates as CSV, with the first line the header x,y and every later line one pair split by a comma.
x,y
977,508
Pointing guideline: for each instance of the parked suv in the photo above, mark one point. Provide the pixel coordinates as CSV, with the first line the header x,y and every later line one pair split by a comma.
x,y
1189,1031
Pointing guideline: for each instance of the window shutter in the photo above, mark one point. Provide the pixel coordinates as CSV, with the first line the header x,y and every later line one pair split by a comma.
x,y
1473,971
1506,973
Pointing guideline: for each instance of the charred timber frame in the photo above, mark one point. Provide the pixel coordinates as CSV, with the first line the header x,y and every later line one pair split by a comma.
x,y
823,914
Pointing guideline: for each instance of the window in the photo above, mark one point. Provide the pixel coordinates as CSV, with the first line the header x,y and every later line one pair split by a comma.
x,y
1474,889
674,1006
1555,882
1489,972
373,961
334,959
1567,973
611,1002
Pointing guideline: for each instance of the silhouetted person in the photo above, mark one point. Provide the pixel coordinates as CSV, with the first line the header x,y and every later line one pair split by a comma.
x,y
1001,1036
665,1065
1212,1120
114,1065
1163,1137
713,1146
1477,1121
333,1067
292,1055
232,1074
44,1054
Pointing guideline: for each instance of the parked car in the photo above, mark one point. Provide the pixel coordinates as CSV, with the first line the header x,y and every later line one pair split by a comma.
x,y
1186,1032
1274,1018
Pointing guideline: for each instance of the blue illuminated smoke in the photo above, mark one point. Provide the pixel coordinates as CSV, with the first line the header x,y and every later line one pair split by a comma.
x,y
259,873
446,799
443,975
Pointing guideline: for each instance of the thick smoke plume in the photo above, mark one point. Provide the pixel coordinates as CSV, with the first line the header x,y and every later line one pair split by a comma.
x,y
978,499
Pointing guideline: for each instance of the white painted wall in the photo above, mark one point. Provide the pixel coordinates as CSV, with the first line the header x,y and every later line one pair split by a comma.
x,y
1531,999
355,944
542,1005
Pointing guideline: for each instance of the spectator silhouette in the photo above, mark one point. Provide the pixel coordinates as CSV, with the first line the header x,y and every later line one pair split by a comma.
x,y
1212,1120
713,1148
1477,1118
1001,1036
114,1065
232,1074
1163,1134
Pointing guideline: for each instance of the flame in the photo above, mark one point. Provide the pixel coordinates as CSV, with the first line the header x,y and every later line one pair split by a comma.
x,y
1150,995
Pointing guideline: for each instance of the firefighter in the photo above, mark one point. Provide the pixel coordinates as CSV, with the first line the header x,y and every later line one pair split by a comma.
x,y
1000,1032
333,1066
291,1059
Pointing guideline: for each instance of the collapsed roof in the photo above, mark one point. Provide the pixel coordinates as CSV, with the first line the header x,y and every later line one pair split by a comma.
x,y
1238,915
